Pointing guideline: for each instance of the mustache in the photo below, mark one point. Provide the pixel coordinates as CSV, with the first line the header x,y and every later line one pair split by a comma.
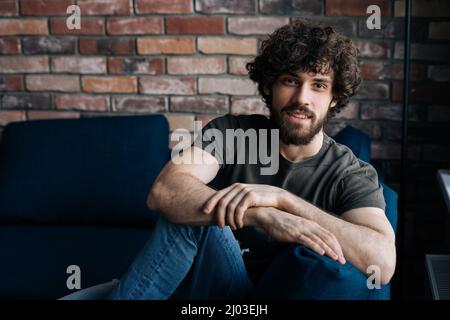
x,y
297,107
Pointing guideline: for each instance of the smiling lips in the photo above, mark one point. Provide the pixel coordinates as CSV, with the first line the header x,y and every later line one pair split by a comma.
x,y
298,115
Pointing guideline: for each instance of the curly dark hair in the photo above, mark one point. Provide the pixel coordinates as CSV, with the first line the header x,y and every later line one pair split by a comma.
x,y
308,47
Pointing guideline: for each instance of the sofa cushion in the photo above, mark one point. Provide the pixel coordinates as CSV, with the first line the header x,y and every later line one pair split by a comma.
x,y
89,171
35,258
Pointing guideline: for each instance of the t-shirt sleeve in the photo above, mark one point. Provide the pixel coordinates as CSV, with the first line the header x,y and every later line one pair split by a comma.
x,y
212,138
359,188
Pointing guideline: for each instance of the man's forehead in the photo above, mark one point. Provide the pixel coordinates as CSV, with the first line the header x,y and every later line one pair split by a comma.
x,y
316,76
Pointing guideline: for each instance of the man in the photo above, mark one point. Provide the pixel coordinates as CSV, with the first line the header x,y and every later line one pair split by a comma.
x,y
321,213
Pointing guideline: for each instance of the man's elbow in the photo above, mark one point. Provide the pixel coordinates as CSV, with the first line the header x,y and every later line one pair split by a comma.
x,y
154,196
388,263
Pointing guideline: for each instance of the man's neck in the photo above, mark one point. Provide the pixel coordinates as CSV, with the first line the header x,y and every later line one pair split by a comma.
x,y
295,153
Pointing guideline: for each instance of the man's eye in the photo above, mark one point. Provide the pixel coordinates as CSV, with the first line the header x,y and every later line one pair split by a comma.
x,y
320,85
290,81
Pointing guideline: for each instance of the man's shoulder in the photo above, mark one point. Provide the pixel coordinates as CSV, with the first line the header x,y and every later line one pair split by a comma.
x,y
342,153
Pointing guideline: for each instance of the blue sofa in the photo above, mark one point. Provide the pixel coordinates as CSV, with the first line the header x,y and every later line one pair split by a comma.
x,y
73,192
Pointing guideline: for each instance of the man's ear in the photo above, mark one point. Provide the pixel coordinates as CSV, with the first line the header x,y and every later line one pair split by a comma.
x,y
333,103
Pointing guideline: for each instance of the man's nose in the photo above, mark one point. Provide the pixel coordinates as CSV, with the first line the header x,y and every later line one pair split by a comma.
x,y
302,95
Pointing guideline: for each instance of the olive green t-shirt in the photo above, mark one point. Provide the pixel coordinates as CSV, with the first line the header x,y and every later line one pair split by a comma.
x,y
334,180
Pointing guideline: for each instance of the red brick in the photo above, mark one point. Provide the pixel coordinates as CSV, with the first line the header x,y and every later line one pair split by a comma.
x,y
177,122
23,64
248,106
199,104
9,27
8,8
424,51
44,7
89,26
147,25
106,46
105,8
195,25
227,45
232,86
165,45
52,83
373,90
122,84
379,70
167,85
373,49
255,25
26,101
196,65
163,6
139,104
291,7
9,46
42,115
36,45
136,65
82,103
81,65
384,111
11,116
229,6
355,7
386,150
11,83
237,65
350,111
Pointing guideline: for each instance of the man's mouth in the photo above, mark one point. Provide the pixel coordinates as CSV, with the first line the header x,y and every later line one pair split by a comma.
x,y
298,115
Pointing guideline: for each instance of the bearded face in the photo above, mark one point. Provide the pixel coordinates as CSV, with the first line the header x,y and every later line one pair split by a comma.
x,y
299,106
298,125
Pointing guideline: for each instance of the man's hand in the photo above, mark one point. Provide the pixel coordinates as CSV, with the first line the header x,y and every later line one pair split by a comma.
x,y
231,203
286,227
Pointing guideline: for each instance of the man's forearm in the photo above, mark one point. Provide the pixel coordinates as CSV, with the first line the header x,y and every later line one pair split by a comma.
x,y
362,246
180,198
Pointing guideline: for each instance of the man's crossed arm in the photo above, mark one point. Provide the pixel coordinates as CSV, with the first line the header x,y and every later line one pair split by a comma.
x,y
364,235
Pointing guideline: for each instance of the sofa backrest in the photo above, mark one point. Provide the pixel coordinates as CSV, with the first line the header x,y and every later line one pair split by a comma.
x,y
89,171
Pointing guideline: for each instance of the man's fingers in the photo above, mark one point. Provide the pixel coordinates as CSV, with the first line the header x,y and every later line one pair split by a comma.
x,y
232,209
212,202
221,208
331,240
305,240
243,205
329,252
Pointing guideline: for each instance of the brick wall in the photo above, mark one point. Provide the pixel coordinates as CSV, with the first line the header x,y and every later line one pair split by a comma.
x,y
185,59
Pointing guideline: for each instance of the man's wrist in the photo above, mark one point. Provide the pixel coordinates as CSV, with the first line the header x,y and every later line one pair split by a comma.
x,y
252,217
295,205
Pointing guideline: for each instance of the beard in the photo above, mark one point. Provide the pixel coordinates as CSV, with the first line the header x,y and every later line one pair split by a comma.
x,y
296,133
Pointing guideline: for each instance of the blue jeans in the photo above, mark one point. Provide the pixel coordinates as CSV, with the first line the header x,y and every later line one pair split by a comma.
x,y
205,262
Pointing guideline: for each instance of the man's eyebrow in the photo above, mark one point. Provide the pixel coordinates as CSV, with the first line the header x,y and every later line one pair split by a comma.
x,y
322,79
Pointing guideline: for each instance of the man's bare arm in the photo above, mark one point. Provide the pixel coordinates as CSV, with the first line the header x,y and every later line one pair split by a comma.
x,y
365,234
180,190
